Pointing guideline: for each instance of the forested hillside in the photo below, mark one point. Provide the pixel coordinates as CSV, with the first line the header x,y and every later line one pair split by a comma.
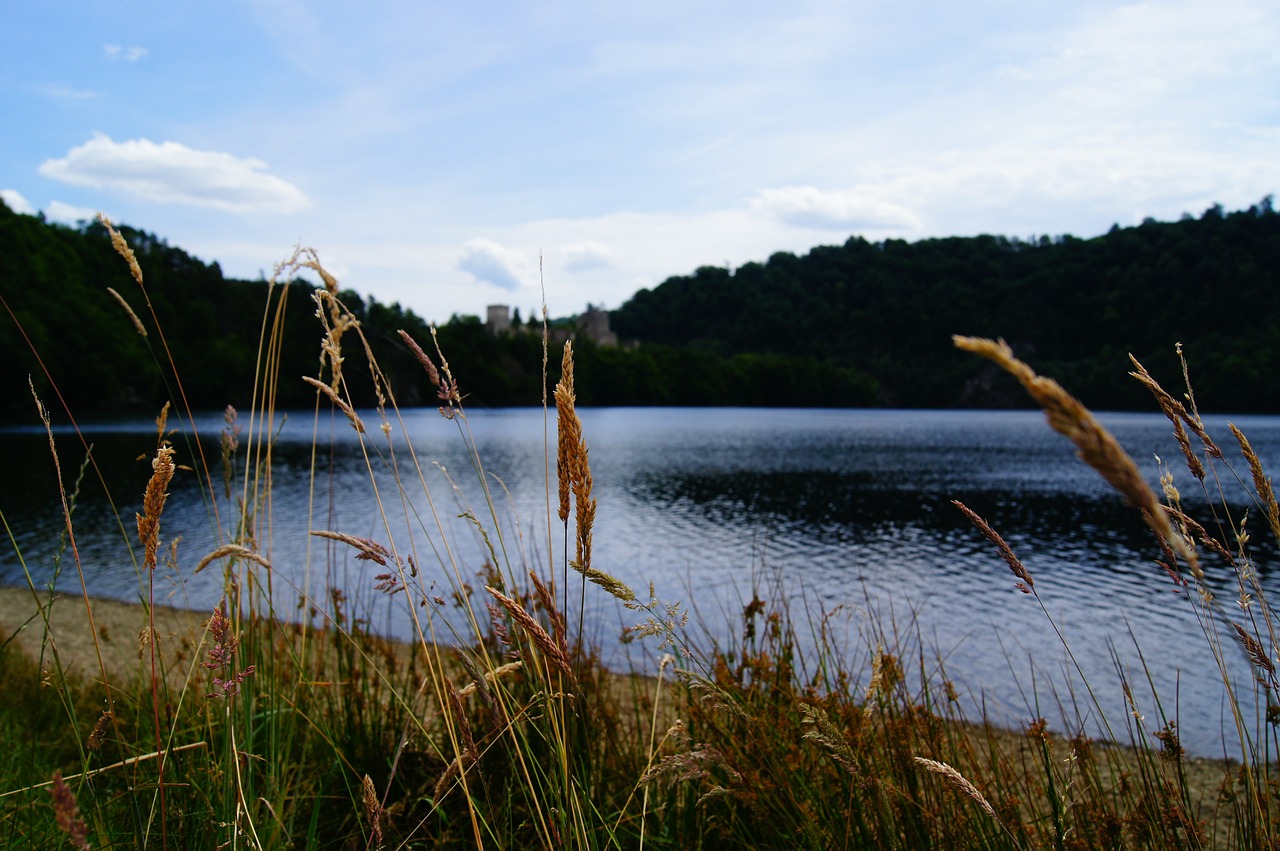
x,y
858,324
1073,307
57,311
54,282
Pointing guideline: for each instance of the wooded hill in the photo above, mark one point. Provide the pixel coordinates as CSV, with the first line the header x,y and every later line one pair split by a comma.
x,y
57,315
1074,308
859,324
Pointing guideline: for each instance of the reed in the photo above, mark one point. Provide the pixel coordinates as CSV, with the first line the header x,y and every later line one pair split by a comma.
x,y
281,718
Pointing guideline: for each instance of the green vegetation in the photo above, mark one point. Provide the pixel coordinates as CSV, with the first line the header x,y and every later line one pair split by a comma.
x,y
56,283
1076,306
843,326
283,722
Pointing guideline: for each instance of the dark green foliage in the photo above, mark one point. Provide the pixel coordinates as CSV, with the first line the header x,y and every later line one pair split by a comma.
x,y
668,375
54,279
859,324
1074,307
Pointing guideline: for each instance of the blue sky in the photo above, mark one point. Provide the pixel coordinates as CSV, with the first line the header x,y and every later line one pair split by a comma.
x,y
436,153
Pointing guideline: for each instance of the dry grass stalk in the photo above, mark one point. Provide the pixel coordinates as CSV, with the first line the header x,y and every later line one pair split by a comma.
x,y
228,443
369,550
1201,534
1025,583
448,392
568,431
372,811
546,599
335,325
153,503
1261,483
585,517
1184,443
491,677
460,722
1095,445
132,761
615,587
885,674
536,633
1257,654
68,813
433,375
336,320
572,467
122,248
956,779
826,734
222,656
163,431
133,317
1173,409
236,551
693,765
457,765
94,742
469,754
337,400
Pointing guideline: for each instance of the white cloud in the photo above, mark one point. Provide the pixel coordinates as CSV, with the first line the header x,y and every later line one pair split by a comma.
x,y
68,93
844,210
69,214
585,256
14,201
491,263
170,172
117,53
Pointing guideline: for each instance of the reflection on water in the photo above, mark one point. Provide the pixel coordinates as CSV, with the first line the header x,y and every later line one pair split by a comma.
x,y
847,507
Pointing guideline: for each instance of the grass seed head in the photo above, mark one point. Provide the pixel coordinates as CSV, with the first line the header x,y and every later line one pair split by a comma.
x,y
956,779
67,812
1095,445
568,432
153,501
133,317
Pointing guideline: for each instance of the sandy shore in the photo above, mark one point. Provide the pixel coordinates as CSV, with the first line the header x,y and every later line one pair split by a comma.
x,y
120,629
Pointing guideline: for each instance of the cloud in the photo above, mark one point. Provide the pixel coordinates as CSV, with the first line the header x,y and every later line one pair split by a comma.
x,y
69,213
491,263
172,173
14,201
843,210
117,53
68,93
585,256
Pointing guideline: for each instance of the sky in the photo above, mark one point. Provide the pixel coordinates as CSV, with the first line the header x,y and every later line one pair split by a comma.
x,y
448,156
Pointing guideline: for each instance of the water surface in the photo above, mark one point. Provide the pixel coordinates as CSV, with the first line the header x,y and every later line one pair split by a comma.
x,y
847,508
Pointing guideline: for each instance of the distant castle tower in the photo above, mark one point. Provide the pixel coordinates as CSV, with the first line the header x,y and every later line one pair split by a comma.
x,y
498,319
594,325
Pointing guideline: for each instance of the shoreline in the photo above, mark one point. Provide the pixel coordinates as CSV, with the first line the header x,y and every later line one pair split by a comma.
x,y
121,628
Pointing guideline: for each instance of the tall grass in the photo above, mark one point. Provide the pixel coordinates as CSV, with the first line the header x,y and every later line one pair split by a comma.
x,y
282,719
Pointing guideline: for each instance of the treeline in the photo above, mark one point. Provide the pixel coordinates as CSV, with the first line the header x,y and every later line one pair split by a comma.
x,y
63,323
859,324
1073,307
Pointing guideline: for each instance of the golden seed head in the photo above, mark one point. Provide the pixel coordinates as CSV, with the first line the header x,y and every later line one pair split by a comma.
x,y
1095,445
153,501
133,317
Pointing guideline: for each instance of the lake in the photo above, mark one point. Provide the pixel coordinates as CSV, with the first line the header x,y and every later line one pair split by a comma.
x,y
836,507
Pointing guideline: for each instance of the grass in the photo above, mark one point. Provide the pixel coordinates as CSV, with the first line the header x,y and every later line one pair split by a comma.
x,y
280,720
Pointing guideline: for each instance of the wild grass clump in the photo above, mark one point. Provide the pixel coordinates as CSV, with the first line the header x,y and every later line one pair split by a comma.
x,y
280,718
